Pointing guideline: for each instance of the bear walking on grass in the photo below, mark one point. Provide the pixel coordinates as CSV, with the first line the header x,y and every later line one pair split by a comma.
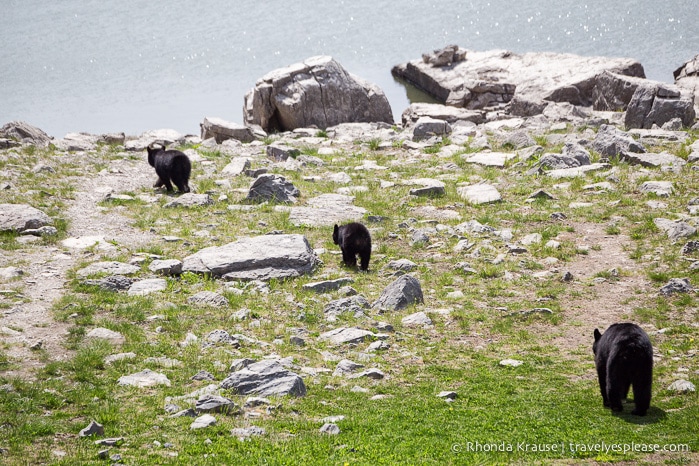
x,y
354,239
624,357
172,167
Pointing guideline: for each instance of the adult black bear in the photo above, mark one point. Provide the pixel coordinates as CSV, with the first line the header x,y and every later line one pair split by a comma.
x,y
353,239
624,357
170,165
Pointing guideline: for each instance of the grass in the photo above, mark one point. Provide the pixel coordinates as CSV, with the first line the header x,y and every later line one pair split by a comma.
x,y
551,400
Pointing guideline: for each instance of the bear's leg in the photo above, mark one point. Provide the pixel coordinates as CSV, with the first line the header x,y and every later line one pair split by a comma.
x,y
168,185
641,393
181,184
158,183
349,259
602,378
625,391
364,259
616,382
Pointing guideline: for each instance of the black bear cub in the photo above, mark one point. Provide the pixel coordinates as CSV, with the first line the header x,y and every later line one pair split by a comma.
x,y
172,166
624,357
354,239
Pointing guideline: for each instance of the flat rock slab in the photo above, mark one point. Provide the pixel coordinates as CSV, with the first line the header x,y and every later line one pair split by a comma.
x,y
490,159
84,242
148,286
111,336
208,298
419,319
659,188
479,193
662,159
343,335
265,378
327,285
236,166
145,378
109,267
20,217
326,210
427,187
576,172
190,200
255,258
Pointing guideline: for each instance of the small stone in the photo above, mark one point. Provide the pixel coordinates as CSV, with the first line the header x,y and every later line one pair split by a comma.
x,y
447,395
682,386
93,428
202,422
330,429
511,362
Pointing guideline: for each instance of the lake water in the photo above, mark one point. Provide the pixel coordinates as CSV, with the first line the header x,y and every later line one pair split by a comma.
x,y
97,66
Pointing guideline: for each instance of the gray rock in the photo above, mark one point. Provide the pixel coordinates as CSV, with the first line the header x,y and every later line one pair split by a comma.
x,y
610,142
374,374
682,386
166,267
418,319
656,103
343,335
403,265
559,161
353,304
403,292
659,188
421,235
242,433
190,200
327,285
206,420
511,362
93,428
318,92
255,258
663,159
346,367
676,285
674,230
112,283
330,429
576,172
446,113
426,127
20,217
518,140
687,77
447,395
479,193
25,133
202,376
77,142
238,364
429,187
265,378
613,92
222,337
222,130
145,378
274,188
109,267
690,248
326,210
281,152
10,273
147,286
164,136
236,166
210,403
112,358
163,362
43,231
106,334
208,298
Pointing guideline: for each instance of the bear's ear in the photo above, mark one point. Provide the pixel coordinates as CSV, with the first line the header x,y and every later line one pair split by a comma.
x,y
597,335
336,229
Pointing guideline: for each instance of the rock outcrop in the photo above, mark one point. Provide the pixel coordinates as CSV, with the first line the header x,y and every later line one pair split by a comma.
x,y
21,217
317,92
24,132
687,77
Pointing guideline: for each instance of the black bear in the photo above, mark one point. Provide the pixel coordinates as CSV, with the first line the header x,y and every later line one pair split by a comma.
x,y
172,166
353,239
624,357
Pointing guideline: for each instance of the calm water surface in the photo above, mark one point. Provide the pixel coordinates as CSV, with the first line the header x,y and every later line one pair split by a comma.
x,y
130,66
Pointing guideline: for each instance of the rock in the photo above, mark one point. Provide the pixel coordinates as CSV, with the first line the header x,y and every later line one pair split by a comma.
x,y
207,420
166,267
682,386
447,395
490,159
687,77
343,335
163,136
10,273
330,429
559,161
613,92
511,362
327,285
690,248
659,188
663,159
446,113
147,286
530,81
419,319
222,337
374,374
576,172
674,230
354,305
84,242
265,378
43,231
346,367
110,267
274,188
112,283
656,103
77,142
479,193
145,378
222,130
208,298
210,403
20,217
190,200
403,265
281,152
236,166
106,334
676,285
93,428
429,187
317,92
403,292
163,362
610,142
326,210
25,133
255,258
242,433
426,127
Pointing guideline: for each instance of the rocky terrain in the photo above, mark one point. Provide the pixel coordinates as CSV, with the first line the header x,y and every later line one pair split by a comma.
x,y
554,217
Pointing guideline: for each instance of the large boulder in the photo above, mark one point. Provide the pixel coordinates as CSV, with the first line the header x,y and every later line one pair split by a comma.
x,y
403,292
255,258
222,130
271,187
26,133
317,92
265,378
656,103
528,81
20,217
687,77
613,91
